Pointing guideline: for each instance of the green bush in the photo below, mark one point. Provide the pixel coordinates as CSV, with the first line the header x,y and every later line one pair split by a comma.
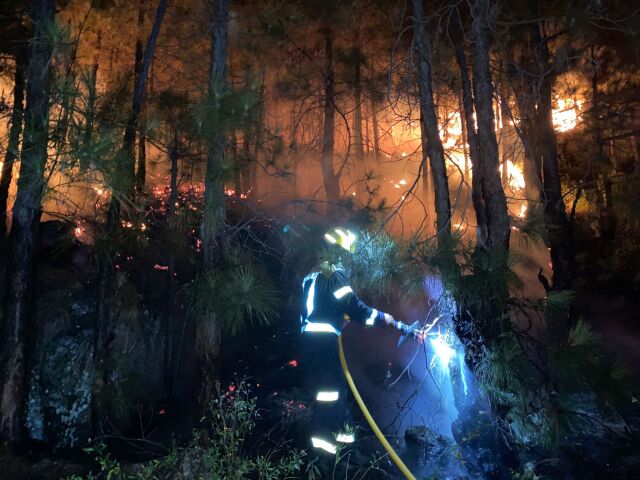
x,y
218,450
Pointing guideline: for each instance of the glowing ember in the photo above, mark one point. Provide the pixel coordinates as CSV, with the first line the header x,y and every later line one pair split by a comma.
x,y
293,363
160,267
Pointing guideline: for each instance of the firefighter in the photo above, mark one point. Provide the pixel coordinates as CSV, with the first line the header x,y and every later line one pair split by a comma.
x,y
329,303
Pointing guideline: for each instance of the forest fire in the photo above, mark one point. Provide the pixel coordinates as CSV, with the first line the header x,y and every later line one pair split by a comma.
x,y
514,175
522,213
566,115
197,192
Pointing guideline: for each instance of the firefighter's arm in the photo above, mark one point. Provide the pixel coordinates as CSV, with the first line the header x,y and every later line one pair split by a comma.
x,y
357,310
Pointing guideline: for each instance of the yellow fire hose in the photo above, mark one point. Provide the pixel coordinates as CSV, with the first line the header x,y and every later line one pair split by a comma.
x,y
392,453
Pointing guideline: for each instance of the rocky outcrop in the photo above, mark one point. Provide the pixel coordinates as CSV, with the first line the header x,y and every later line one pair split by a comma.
x,y
60,390
59,402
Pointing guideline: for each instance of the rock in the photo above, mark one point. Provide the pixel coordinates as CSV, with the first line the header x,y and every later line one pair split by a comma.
x,y
137,362
59,398
432,455
59,409
425,438
190,464
60,390
481,448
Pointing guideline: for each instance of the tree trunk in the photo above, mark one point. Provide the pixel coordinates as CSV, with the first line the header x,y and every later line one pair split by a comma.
x,y
636,147
253,172
495,204
471,134
141,173
464,137
358,147
427,191
255,137
374,126
525,85
170,360
214,206
527,131
329,177
502,149
237,186
557,223
245,163
126,166
123,191
212,228
173,183
422,50
560,237
18,325
367,137
89,115
14,139
606,215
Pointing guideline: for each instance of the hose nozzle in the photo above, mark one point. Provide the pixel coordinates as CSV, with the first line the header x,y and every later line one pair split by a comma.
x,y
408,332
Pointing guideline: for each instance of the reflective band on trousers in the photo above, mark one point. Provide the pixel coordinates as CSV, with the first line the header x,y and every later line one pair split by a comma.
x,y
341,292
323,445
327,396
345,438
372,317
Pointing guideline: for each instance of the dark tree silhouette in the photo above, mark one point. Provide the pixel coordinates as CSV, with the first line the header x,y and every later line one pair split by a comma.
x,y
18,326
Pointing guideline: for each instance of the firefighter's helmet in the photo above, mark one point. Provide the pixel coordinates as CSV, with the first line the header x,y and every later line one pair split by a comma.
x,y
342,237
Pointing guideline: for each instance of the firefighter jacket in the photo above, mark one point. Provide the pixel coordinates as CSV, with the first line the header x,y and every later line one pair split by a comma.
x,y
328,300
